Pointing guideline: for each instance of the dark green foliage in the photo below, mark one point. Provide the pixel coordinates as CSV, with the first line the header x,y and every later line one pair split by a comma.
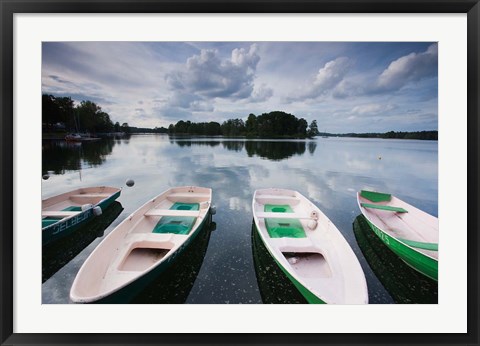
x,y
268,125
133,129
280,124
233,127
424,135
125,128
86,117
57,110
251,125
187,127
313,129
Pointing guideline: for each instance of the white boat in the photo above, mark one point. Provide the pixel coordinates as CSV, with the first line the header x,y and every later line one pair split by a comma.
x,y
67,212
409,232
77,137
142,246
73,137
308,248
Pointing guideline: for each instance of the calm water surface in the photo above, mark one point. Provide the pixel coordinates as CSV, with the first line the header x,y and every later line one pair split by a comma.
x,y
228,265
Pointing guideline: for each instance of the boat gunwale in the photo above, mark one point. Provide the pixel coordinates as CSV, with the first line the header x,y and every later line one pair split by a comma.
x,y
270,246
162,196
82,212
366,214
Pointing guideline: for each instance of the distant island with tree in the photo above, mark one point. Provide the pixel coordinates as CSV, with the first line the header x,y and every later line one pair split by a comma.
x,y
59,115
275,124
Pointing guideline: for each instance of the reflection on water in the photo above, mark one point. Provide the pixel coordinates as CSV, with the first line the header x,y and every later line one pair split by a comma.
x,y
62,251
274,150
328,172
274,285
59,156
404,284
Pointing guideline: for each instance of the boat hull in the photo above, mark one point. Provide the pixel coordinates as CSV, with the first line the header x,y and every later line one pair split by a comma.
x,y
66,227
308,248
404,284
59,253
310,297
275,287
142,246
418,261
130,291
409,232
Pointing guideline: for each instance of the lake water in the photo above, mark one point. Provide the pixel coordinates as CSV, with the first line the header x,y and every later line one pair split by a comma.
x,y
227,265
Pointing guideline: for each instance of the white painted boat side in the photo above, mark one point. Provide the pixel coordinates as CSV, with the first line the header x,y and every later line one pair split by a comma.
x,y
93,196
338,278
113,265
415,225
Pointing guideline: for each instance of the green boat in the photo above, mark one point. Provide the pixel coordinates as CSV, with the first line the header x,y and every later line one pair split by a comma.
x,y
142,246
308,248
409,232
66,213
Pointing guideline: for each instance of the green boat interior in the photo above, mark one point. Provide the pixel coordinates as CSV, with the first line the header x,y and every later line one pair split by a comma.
x,y
283,228
375,196
384,207
47,221
73,208
50,220
177,224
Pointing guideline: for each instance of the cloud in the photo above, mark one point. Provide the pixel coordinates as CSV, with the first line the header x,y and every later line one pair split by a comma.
x,y
409,68
215,81
328,77
400,74
187,102
372,108
261,94
208,76
332,73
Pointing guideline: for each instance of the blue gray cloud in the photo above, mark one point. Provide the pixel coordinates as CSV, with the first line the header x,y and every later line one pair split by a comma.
x,y
358,86
207,75
409,68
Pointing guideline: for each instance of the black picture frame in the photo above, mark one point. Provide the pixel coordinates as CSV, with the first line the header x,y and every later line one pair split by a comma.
x,y
10,7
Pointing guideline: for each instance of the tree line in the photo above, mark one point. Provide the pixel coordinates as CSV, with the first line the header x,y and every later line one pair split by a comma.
x,y
60,113
275,124
423,135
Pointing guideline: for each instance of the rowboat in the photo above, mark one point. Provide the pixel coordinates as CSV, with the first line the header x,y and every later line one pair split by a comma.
x,y
404,284
67,212
409,232
308,248
59,253
142,246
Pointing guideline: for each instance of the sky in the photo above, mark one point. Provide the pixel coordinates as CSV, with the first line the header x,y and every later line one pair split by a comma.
x,y
344,86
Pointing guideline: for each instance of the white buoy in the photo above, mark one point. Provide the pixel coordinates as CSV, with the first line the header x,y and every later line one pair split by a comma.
x,y
86,206
45,176
130,182
213,210
97,211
